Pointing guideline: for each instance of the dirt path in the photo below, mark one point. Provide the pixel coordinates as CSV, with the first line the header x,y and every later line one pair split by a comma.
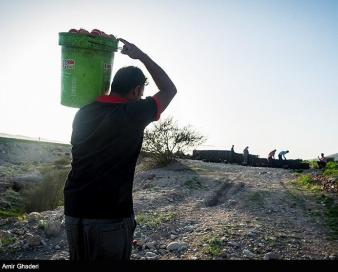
x,y
231,212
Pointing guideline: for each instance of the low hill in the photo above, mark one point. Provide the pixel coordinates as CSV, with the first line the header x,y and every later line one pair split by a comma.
x,y
13,150
335,156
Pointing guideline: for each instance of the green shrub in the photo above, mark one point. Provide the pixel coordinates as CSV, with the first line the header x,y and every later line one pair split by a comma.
x,y
332,165
10,213
331,214
331,169
48,194
166,140
331,173
7,240
14,200
154,219
214,247
313,164
306,182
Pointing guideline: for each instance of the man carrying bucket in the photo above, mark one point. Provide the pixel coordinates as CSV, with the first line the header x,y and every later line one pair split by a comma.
x,y
106,141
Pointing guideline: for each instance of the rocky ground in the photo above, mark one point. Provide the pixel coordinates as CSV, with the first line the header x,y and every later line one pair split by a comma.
x,y
196,210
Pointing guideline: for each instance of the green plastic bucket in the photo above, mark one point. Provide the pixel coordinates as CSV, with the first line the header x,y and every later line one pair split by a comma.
x,y
86,66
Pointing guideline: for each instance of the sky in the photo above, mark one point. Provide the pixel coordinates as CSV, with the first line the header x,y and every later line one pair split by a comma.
x,y
257,73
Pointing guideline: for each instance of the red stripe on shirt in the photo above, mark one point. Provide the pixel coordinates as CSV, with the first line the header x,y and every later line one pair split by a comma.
x,y
158,106
111,99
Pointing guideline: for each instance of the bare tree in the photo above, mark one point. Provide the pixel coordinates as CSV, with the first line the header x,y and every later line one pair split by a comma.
x,y
166,140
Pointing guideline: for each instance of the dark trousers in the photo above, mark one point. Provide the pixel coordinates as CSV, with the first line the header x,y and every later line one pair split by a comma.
x,y
100,239
321,164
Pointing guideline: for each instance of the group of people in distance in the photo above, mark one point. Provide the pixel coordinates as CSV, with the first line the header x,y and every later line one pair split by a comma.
x,y
322,160
281,155
271,156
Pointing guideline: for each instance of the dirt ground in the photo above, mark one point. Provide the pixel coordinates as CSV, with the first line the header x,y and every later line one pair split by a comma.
x,y
193,210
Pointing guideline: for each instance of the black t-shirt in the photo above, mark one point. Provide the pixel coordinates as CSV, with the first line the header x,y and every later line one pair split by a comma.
x,y
106,142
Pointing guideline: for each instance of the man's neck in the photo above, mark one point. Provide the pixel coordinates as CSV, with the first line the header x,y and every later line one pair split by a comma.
x,y
116,95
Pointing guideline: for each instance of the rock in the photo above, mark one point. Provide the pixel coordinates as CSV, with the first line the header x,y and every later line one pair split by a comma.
x,y
162,252
18,231
3,221
42,224
223,254
189,228
137,234
12,220
183,246
332,257
57,247
53,228
140,243
234,244
34,216
252,233
150,176
15,246
151,256
33,240
271,256
151,245
174,246
61,255
173,237
232,202
134,256
177,246
247,253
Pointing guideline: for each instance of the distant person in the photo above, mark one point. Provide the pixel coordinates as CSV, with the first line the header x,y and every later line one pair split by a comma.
x,y
271,155
281,155
232,154
322,161
245,155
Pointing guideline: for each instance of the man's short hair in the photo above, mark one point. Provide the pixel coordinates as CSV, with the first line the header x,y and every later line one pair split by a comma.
x,y
126,79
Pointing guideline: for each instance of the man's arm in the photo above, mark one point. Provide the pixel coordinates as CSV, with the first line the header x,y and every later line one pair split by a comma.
x,y
162,80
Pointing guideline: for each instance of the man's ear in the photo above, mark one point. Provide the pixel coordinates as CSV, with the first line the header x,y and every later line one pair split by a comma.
x,y
135,93
138,91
